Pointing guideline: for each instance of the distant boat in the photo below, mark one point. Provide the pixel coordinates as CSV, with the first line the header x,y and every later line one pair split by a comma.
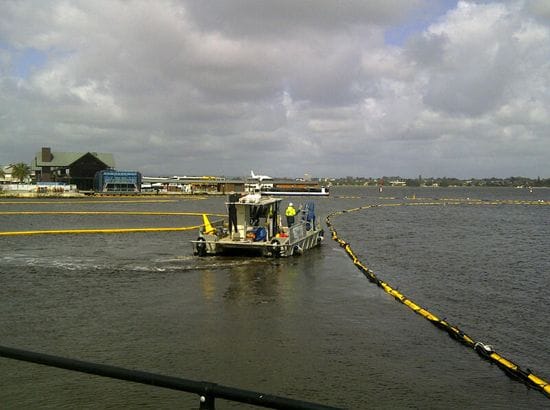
x,y
302,191
286,188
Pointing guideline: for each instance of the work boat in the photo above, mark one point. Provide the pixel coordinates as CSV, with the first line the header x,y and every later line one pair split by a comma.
x,y
254,227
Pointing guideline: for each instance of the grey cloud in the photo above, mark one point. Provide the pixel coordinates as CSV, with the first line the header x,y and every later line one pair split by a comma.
x,y
540,9
285,18
210,88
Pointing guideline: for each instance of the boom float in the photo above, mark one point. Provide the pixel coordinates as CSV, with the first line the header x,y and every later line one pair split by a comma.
x,y
96,231
103,230
484,350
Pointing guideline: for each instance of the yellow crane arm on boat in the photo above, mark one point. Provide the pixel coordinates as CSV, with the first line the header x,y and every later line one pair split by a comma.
x,y
208,228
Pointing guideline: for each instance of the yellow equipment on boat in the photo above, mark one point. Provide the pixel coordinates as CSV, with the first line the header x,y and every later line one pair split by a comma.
x,y
208,228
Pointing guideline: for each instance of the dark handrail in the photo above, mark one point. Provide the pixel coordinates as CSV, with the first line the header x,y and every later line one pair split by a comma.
x,y
207,391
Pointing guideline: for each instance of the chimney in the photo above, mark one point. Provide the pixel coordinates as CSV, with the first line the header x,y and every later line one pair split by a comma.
x,y
47,154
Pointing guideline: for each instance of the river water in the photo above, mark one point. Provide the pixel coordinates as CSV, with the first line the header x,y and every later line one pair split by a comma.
x,y
310,328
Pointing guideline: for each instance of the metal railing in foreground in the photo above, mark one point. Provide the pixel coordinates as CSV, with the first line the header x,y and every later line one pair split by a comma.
x,y
207,391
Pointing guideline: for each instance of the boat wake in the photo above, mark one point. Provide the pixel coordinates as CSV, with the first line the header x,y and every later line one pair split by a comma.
x,y
161,265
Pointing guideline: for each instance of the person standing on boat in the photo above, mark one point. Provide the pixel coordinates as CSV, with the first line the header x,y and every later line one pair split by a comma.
x,y
290,214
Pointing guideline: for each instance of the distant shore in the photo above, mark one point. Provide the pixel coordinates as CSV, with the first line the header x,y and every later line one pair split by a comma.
x,y
17,194
84,194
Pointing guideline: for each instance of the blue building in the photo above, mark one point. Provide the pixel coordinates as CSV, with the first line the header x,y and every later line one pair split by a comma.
x,y
111,180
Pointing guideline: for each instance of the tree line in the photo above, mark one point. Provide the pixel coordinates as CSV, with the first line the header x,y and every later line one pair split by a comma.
x,y
444,181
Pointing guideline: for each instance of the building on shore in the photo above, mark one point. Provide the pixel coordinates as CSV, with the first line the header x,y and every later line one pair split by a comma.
x,y
192,185
117,181
220,185
72,168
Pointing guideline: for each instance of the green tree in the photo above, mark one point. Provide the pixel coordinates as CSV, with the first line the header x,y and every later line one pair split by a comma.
x,y
412,182
21,171
2,173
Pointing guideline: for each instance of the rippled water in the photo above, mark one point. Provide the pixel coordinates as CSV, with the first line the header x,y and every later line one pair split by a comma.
x,y
311,328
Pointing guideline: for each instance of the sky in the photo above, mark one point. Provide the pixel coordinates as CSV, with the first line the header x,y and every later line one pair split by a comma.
x,y
325,87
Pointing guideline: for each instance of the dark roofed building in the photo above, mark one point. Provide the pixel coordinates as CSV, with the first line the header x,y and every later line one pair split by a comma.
x,y
76,168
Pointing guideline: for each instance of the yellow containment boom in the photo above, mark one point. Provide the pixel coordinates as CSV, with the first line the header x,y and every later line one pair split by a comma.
x,y
482,349
99,231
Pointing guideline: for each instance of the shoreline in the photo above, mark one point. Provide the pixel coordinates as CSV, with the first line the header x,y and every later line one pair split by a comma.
x,y
15,194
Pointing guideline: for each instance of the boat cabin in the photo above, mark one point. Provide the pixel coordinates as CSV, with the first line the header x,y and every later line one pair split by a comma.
x,y
253,217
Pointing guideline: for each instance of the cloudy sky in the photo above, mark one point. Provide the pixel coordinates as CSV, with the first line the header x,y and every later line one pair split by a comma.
x,y
327,87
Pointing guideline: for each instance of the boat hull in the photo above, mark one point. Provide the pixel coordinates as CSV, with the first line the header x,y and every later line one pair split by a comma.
x,y
277,247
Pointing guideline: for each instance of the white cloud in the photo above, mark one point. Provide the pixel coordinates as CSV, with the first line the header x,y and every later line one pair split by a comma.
x,y
220,87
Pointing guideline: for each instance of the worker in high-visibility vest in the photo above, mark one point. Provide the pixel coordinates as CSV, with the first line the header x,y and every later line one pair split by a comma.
x,y
290,214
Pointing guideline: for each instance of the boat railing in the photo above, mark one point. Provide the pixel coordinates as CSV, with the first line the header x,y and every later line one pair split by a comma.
x,y
206,391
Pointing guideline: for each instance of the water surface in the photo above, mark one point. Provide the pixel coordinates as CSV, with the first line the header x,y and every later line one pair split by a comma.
x,y
311,328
